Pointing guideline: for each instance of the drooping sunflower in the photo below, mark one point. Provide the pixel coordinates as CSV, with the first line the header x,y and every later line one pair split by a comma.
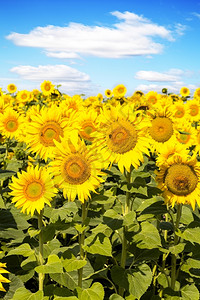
x,y
46,126
76,169
11,88
180,180
122,136
32,189
11,124
2,278
47,87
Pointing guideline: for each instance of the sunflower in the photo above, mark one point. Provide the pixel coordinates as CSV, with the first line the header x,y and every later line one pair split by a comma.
x,y
186,134
32,189
197,93
193,109
11,124
162,127
46,126
88,124
76,169
119,91
2,278
24,96
152,98
47,87
122,136
180,180
166,152
184,91
108,93
11,88
179,110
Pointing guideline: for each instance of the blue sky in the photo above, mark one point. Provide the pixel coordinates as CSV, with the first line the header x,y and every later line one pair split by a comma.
x,y
90,46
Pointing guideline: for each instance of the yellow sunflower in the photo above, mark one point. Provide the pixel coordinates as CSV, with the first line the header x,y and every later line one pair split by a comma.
x,y
88,124
76,169
122,136
186,134
24,96
2,278
184,91
108,93
11,124
166,152
119,91
47,87
162,127
32,189
193,109
180,180
45,127
179,110
197,93
11,88
151,98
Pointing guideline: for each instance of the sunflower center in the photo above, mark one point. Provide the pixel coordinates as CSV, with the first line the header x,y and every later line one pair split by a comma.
x,y
181,179
12,87
194,109
161,129
87,129
47,87
179,113
11,125
122,137
49,132
76,169
34,191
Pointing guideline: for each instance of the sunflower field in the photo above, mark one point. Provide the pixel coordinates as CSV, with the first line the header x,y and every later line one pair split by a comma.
x,y
99,195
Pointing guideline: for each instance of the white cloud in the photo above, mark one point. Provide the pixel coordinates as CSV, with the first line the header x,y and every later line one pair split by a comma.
x,y
196,14
153,76
131,35
172,88
71,80
51,72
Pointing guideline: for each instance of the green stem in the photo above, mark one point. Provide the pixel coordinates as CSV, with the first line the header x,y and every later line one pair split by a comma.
x,y
165,238
41,259
176,240
81,244
124,240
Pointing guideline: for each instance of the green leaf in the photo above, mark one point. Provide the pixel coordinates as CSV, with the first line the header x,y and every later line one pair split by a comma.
x,y
23,293
148,237
95,292
112,219
53,265
66,212
135,281
129,218
102,228
153,206
65,298
73,264
6,173
24,250
191,233
98,244
115,297
177,249
65,279
190,292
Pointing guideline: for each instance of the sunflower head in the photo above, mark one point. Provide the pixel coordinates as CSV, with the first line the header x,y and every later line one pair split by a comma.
x,y
47,87
32,189
2,278
184,91
11,88
76,169
180,181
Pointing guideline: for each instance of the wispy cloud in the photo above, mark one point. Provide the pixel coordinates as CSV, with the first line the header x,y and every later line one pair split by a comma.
x,y
153,76
70,79
131,35
196,14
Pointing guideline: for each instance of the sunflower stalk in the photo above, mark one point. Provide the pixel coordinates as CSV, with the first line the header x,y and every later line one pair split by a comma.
x,y
41,259
176,241
124,240
81,244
